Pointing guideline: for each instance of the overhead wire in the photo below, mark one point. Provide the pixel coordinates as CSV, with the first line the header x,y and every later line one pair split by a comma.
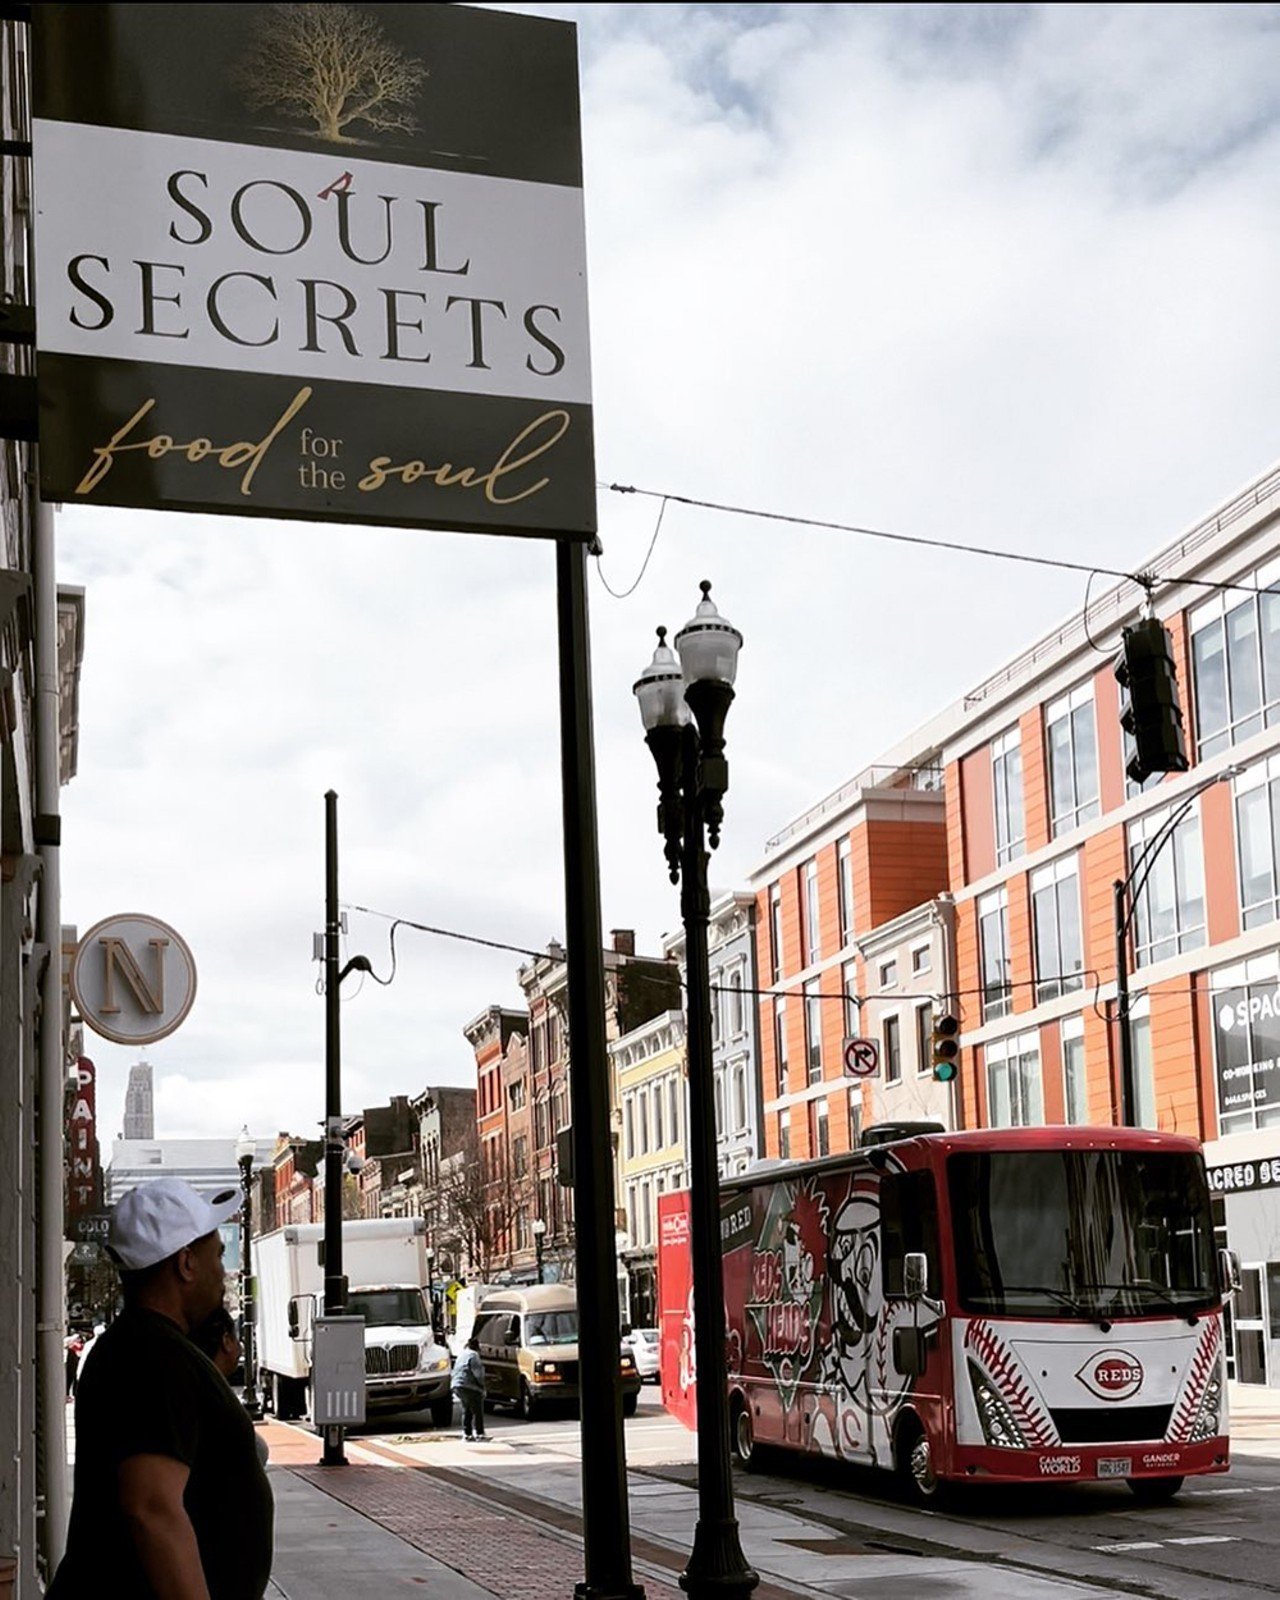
x,y
1145,580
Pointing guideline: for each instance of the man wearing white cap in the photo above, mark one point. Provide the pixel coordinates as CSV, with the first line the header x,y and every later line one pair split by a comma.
x,y
171,1501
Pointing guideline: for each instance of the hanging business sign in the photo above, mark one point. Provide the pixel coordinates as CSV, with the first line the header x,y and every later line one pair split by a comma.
x,y
133,979
84,1173
313,260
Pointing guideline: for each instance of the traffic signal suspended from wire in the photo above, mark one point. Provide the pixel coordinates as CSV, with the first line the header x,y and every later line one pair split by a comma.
x,y
946,1046
1150,712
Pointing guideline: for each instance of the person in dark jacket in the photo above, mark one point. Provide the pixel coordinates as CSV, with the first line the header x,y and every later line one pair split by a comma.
x,y
468,1385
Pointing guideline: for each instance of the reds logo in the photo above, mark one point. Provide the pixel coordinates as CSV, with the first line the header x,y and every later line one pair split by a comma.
x,y
1113,1375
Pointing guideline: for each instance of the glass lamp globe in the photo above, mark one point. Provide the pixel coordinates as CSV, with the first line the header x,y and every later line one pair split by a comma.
x,y
708,645
660,689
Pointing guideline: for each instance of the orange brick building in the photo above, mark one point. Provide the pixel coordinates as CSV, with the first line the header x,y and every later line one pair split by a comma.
x,y
998,832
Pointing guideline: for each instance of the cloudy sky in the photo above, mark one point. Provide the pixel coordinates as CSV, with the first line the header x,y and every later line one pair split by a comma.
x,y
996,273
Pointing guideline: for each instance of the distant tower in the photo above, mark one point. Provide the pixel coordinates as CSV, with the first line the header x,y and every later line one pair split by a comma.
x,y
139,1114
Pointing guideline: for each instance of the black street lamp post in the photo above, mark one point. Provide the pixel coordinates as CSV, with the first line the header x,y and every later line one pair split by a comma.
x,y
245,1149
692,779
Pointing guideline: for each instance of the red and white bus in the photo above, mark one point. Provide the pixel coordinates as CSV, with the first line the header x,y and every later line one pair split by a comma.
x,y
1013,1305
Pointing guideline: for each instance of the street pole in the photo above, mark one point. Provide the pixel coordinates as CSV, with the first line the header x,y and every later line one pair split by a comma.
x,y
1128,1083
683,705
248,1311
717,1568
335,1285
606,1526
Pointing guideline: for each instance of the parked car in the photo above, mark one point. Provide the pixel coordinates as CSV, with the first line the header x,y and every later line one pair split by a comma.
x,y
529,1346
643,1345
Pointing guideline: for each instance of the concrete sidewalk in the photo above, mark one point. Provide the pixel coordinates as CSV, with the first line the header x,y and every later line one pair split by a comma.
x,y
412,1514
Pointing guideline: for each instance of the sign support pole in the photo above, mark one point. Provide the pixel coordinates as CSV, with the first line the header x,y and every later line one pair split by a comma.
x,y
335,1285
605,1517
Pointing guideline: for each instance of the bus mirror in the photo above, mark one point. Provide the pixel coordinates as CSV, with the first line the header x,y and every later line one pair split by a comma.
x,y
293,1319
915,1275
1229,1271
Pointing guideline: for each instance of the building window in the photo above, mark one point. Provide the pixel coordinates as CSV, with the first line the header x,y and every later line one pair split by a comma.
x,y
892,1031
1075,1094
855,1117
1235,663
1006,772
924,1039
888,974
737,1013
1257,793
1144,1086
717,1000
1055,916
780,1044
852,1004
659,1133
673,1106
719,1086
993,936
739,1097
775,931
812,939
516,1095
1073,759
844,887
642,1120
813,1030
784,1135
628,1125
1245,1009
520,1156
819,1128
921,959
1014,1094
1169,912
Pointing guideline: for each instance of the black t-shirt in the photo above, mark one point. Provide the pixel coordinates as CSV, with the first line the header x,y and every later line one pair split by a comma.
x,y
147,1390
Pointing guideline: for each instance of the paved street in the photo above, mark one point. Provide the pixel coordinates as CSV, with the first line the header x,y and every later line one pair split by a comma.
x,y
849,1535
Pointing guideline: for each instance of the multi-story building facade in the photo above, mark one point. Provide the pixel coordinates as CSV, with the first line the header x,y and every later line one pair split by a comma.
x,y
497,1218
139,1103
735,1028
446,1131
636,989
1042,822
863,857
909,967
649,1071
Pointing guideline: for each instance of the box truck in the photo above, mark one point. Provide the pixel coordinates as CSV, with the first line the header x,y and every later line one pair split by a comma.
x,y
385,1264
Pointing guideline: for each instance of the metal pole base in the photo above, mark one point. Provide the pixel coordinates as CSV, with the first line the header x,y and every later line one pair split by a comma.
x,y
591,1591
334,1454
717,1568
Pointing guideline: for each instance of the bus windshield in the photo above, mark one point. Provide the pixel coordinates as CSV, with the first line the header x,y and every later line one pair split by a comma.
x,y
389,1308
551,1327
1086,1233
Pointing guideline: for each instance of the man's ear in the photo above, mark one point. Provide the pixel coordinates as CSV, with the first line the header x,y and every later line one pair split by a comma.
x,y
184,1264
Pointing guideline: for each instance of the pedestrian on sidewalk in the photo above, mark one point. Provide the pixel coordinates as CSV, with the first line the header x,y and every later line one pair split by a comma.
x,y
468,1385
218,1338
170,1499
73,1344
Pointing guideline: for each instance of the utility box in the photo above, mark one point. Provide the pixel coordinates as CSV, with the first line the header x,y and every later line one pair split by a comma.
x,y
337,1371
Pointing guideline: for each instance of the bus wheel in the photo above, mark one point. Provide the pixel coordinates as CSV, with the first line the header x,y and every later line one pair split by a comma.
x,y
1154,1491
915,1463
743,1435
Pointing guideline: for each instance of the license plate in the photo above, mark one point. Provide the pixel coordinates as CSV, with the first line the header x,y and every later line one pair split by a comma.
x,y
1115,1466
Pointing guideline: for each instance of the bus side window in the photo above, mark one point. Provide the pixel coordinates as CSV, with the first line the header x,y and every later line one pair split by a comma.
x,y
908,1222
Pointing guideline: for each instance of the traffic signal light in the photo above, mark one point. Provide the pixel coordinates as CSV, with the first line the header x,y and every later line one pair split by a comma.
x,y
946,1047
1149,710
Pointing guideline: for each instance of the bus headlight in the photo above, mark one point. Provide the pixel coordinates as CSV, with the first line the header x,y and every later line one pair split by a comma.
x,y
998,1425
1208,1418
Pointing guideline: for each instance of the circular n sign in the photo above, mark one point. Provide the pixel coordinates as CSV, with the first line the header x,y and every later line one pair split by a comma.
x,y
133,979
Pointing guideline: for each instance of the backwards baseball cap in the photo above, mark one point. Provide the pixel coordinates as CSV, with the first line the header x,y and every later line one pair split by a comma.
x,y
159,1218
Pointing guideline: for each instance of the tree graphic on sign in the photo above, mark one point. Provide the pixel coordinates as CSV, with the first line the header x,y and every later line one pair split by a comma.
x,y
332,65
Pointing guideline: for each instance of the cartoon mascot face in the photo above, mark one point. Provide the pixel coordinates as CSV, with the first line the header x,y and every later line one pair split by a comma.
x,y
856,1297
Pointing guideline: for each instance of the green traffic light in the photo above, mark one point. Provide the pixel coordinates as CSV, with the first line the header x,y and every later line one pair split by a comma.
x,y
944,1071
